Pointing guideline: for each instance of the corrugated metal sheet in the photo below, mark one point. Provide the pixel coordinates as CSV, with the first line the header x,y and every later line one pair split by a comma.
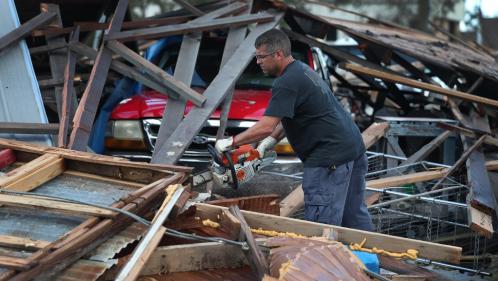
x,y
101,259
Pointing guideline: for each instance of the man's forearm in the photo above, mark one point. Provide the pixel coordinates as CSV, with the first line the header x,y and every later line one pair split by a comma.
x,y
263,128
279,132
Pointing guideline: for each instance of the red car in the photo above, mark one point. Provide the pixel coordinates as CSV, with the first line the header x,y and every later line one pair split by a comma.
x,y
134,123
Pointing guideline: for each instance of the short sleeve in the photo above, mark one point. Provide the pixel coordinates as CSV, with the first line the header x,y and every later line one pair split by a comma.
x,y
282,103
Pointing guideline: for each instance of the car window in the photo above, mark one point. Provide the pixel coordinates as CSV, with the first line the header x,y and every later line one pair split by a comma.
x,y
208,64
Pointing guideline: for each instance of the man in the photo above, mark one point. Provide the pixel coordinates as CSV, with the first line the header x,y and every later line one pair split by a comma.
x,y
320,131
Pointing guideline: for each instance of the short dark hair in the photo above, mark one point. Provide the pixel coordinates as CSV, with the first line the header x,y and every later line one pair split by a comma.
x,y
274,39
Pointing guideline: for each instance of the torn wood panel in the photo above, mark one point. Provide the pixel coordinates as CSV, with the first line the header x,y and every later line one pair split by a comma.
x,y
480,222
187,57
158,32
181,138
57,206
151,239
417,84
426,249
178,88
87,108
24,30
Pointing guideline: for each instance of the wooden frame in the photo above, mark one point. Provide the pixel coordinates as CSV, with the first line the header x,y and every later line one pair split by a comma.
x,y
44,163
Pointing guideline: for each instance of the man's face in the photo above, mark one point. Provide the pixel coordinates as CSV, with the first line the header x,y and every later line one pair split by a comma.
x,y
268,60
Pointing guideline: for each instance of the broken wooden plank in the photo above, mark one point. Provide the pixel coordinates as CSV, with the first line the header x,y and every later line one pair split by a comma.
x,y
357,69
68,94
86,26
406,179
34,173
256,258
184,71
189,27
151,239
480,222
460,161
175,86
191,125
64,207
423,152
87,108
15,263
471,133
258,203
426,249
194,257
22,242
492,165
292,202
24,30
189,7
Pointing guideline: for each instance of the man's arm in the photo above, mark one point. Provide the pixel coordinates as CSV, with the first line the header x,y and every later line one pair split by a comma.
x,y
268,125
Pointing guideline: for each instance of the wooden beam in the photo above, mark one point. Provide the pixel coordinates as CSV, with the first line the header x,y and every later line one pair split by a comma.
x,y
63,207
406,179
15,263
480,222
24,30
86,26
357,69
22,242
157,73
29,128
194,257
460,161
151,239
57,60
68,93
256,258
187,57
182,136
87,108
472,133
373,133
34,173
235,37
426,249
121,68
163,31
492,165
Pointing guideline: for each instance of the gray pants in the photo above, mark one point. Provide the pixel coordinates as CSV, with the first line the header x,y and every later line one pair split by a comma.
x,y
336,196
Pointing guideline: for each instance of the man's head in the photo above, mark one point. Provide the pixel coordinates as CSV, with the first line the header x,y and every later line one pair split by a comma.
x,y
273,52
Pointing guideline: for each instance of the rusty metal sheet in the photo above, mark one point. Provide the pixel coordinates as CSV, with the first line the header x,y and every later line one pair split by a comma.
x,y
261,203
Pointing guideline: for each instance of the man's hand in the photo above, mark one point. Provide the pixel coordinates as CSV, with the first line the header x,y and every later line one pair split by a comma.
x,y
224,145
266,144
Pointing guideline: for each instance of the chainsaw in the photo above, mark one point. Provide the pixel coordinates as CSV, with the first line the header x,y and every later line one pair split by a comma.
x,y
236,167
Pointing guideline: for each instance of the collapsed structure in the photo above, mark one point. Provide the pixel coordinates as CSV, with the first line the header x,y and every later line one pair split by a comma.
x,y
392,69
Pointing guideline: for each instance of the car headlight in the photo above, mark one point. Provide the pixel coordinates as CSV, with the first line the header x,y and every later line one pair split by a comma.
x,y
124,134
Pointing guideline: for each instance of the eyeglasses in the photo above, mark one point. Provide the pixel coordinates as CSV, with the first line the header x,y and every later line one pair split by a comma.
x,y
262,57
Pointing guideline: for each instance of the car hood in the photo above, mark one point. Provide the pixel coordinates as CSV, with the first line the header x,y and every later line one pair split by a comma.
x,y
246,105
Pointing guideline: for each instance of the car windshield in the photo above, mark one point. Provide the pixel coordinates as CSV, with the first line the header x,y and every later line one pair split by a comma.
x,y
208,64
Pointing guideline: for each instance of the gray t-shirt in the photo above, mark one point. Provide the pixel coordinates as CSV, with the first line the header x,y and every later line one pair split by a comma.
x,y
320,131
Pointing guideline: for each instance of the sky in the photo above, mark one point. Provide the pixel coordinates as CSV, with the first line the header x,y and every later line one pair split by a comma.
x,y
489,8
